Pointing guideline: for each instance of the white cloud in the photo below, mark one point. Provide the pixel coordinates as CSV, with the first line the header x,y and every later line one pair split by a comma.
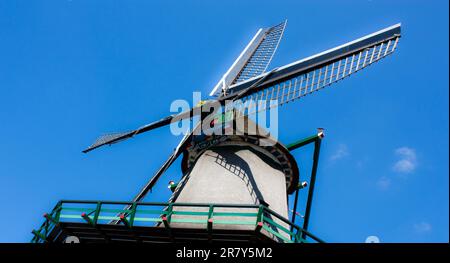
x,y
422,227
362,162
341,152
407,162
384,183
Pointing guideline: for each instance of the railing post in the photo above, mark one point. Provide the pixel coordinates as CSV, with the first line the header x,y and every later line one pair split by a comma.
x,y
97,212
46,224
39,235
210,211
169,212
263,219
312,184
57,211
210,220
133,213
51,219
294,211
88,219
124,220
298,236
166,223
259,218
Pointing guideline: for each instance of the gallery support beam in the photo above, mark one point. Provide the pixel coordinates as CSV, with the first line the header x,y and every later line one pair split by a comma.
x,y
316,139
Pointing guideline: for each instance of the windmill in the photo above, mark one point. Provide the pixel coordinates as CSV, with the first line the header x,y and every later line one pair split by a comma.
x,y
264,173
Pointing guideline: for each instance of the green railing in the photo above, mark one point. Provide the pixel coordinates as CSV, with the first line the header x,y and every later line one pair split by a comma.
x,y
149,214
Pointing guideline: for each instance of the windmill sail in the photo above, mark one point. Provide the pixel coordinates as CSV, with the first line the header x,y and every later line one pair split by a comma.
x,y
112,138
289,82
308,75
253,60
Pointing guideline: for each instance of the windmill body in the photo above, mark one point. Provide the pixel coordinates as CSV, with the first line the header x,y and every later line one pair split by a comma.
x,y
236,179
238,169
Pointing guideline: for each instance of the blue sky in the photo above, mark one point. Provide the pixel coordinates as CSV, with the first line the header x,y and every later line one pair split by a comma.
x,y
71,70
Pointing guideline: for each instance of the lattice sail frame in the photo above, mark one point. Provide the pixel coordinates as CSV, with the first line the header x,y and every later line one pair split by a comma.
x,y
253,60
314,79
260,59
107,137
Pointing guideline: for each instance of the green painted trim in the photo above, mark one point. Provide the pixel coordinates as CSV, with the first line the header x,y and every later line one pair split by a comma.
x,y
52,219
260,214
268,229
70,216
303,142
312,183
211,211
75,209
94,215
132,214
109,210
97,212
278,226
190,213
235,214
185,220
147,219
108,218
39,235
169,213
225,222
88,220
151,212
